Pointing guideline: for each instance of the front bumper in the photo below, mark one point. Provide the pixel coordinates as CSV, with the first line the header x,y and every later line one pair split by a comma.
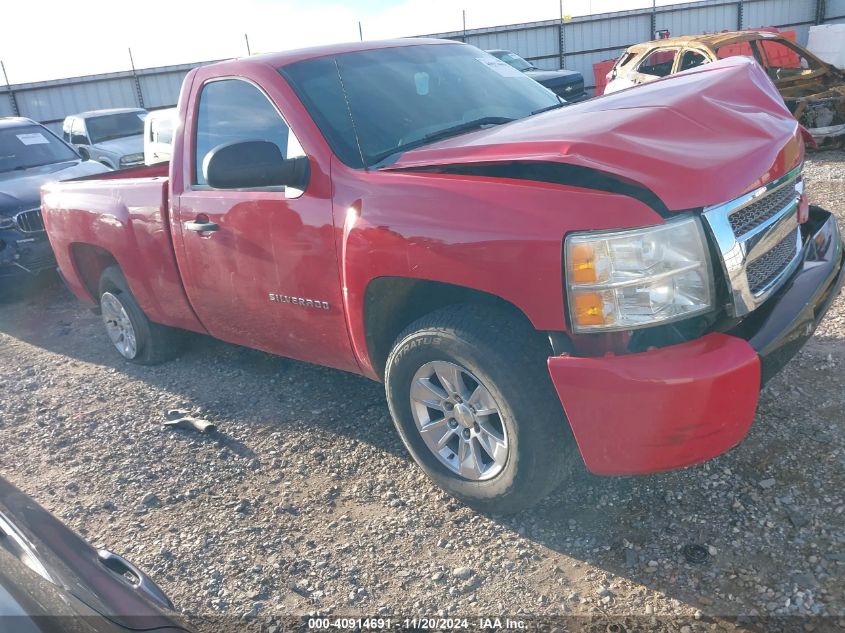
x,y
686,403
24,254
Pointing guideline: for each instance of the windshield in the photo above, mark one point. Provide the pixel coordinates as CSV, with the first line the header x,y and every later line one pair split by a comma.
x,y
512,59
404,97
25,146
112,126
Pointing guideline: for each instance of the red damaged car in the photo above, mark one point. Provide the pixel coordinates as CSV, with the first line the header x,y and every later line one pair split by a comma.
x,y
619,275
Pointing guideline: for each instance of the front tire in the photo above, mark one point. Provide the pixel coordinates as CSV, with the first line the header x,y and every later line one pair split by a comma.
x,y
134,336
471,397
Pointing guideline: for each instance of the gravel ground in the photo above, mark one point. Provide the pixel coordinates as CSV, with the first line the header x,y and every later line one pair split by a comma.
x,y
306,501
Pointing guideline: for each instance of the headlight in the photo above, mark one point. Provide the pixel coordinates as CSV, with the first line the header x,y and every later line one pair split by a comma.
x,y
7,223
131,159
629,279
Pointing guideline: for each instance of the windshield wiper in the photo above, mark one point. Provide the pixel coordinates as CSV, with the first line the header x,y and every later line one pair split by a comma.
x,y
466,127
441,134
554,106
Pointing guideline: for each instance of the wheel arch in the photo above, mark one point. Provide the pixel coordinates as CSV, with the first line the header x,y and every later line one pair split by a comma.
x,y
90,261
392,303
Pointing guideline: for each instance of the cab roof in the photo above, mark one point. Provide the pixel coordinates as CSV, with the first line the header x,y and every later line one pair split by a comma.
x,y
104,112
284,58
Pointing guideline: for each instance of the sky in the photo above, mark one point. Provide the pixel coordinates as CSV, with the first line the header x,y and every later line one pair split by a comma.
x,y
56,39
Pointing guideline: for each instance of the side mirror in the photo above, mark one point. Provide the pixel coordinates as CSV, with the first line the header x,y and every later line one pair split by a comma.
x,y
83,153
250,164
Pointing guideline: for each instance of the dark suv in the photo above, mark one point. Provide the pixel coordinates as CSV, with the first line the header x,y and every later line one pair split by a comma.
x,y
566,84
30,156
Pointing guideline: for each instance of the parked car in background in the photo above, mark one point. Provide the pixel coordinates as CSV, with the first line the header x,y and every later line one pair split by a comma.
x,y
516,272
112,137
52,580
158,135
567,84
813,90
30,156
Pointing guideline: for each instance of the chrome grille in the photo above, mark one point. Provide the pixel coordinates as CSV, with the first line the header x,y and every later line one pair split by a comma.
x,y
764,270
752,216
30,221
759,239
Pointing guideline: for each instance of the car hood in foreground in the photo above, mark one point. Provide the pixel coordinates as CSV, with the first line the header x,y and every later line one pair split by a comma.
x,y
21,190
694,139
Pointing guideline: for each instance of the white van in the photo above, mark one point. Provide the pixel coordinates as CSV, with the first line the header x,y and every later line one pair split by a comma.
x,y
158,135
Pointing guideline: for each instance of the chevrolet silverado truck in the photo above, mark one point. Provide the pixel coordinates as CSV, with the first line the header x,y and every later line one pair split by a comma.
x,y
620,275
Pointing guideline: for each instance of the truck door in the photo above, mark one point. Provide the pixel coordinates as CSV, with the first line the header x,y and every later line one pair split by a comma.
x,y
259,265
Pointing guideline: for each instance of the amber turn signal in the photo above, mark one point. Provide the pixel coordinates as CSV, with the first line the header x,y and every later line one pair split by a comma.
x,y
589,309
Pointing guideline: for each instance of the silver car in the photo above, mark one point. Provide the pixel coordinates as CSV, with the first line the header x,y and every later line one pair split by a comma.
x,y
112,137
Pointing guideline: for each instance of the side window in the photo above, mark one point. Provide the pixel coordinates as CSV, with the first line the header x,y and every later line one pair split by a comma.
x,y
691,59
77,133
235,110
623,60
782,61
66,130
658,63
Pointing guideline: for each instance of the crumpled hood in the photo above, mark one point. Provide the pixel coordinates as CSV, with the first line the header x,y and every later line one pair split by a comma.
x,y
123,146
21,190
701,137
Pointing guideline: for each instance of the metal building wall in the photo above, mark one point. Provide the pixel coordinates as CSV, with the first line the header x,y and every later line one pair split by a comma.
x,y
834,11
579,43
49,102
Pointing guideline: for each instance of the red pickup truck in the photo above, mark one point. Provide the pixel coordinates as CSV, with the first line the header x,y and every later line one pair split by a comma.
x,y
525,276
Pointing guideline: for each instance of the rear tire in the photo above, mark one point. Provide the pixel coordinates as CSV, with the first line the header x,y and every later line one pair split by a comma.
x,y
134,336
485,350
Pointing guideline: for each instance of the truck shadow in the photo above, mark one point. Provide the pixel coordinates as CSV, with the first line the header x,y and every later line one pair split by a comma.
x,y
704,536
212,379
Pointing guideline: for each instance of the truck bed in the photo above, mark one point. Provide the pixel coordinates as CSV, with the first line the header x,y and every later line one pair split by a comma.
x,y
122,218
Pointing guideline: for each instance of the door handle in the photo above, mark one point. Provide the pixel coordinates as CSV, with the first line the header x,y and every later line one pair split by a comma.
x,y
138,579
201,227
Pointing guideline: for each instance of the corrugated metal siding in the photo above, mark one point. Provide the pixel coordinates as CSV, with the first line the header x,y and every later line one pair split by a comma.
x,y
618,32
835,11
704,19
537,42
161,90
778,12
56,102
51,101
5,104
